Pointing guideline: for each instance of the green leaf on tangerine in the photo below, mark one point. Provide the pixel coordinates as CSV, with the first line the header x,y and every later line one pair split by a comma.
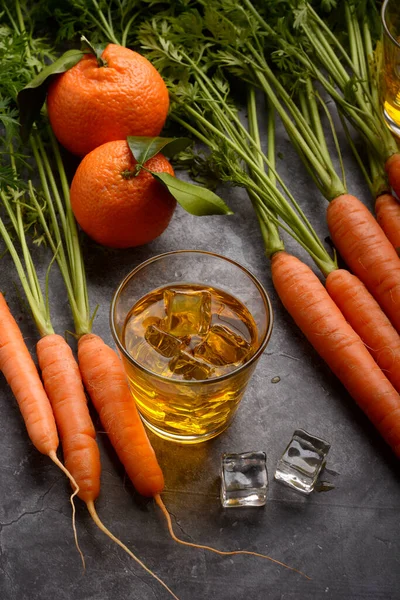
x,y
31,98
144,148
195,199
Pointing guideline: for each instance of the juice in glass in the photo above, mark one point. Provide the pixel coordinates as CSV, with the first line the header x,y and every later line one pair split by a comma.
x,y
390,75
189,348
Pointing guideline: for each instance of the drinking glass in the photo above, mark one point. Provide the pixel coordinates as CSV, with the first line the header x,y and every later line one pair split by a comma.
x,y
193,410
390,76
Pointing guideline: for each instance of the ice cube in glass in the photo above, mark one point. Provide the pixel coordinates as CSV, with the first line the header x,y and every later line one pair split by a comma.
x,y
222,346
244,479
149,358
302,462
189,367
164,343
188,313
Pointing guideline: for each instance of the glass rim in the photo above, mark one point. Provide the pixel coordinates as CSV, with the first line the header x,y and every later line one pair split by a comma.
x,y
264,295
384,23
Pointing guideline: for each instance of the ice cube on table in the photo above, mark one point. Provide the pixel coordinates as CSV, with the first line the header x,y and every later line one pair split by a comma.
x,y
188,313
222,346
163,342
302,462
189,367
244,479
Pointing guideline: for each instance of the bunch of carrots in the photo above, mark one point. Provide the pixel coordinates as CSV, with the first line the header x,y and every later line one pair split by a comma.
x,y
354,321
55,404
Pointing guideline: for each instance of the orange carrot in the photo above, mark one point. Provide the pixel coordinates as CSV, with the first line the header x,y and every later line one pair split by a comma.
x,y
387,210
367,319
21,374
321,321
63,384
105,381
392,167
367,251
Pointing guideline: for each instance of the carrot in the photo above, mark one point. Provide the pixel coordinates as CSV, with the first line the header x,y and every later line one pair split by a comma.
x,y
63,384
392,167
367,251
367,319
106,384
321,321
387,210
105,380
40,314
21,374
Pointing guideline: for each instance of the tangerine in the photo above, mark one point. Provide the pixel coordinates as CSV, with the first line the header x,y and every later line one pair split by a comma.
x,y
113,204
89,104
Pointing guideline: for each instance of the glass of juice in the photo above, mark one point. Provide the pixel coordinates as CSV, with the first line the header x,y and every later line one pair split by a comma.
x,y
390,76
190,327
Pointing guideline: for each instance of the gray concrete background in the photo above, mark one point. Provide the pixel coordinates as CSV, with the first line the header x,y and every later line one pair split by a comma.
x,y
346,540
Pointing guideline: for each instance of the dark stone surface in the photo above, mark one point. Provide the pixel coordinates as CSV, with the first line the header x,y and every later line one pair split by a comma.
x,y
346,540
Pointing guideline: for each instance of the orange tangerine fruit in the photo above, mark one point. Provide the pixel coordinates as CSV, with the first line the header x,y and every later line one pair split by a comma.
x,y
114,206
89,104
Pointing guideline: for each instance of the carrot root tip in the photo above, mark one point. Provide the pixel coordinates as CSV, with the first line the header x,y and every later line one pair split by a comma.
x,y
167,516
59,464
107,532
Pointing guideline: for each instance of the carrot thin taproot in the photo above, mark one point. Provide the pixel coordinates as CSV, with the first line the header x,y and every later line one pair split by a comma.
x,y
321,321
367,251
167,516
103,528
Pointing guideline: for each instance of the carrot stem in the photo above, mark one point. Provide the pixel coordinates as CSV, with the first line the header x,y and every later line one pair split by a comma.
x,y
269,230
37,308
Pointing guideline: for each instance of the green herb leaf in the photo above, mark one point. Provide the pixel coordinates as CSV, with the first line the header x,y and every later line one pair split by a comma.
x,y
144,148
195,199
33,95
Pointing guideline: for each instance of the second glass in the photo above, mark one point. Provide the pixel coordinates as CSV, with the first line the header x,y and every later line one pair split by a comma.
x,y
190,327
390,76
